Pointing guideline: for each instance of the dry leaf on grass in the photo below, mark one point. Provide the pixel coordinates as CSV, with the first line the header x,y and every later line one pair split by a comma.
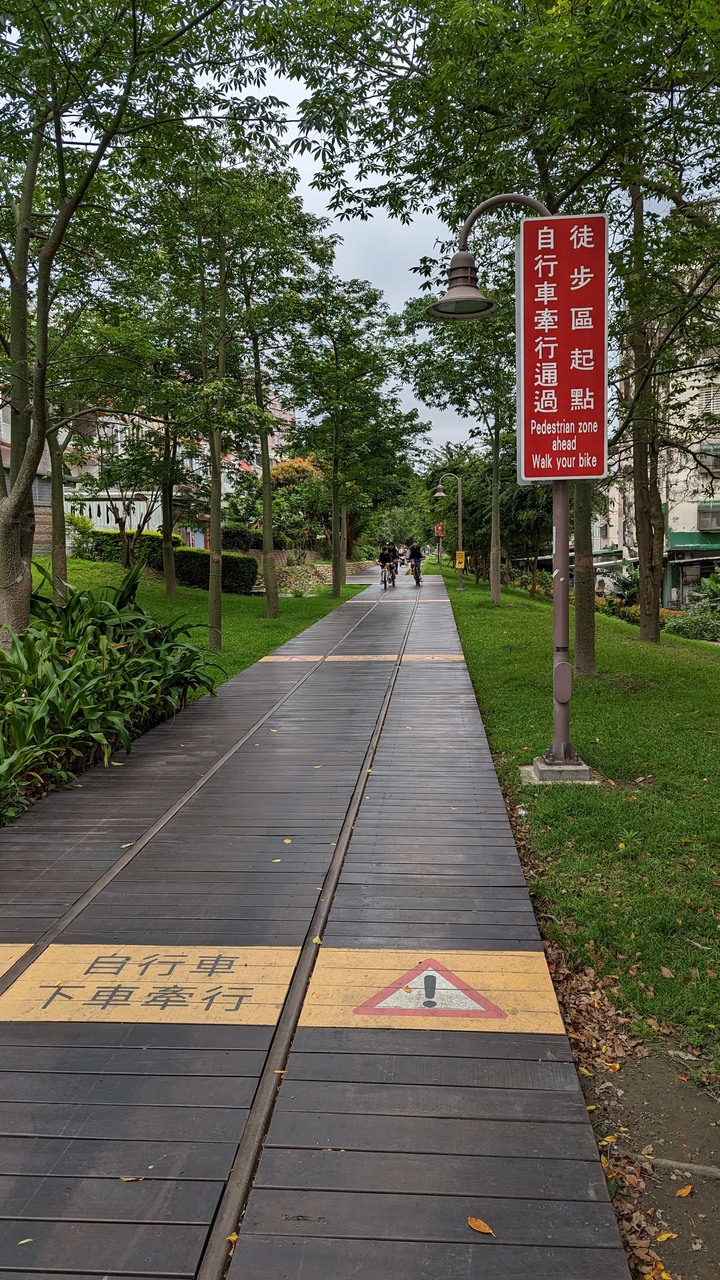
x,y
477,1224
666,973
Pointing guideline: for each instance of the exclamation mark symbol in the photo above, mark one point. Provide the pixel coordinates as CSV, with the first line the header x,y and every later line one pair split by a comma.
x,y
430,985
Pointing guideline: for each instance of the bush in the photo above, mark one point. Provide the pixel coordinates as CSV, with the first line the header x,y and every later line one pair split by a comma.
x,y
699,624
106,544
239,573
235,537
81,540
85,675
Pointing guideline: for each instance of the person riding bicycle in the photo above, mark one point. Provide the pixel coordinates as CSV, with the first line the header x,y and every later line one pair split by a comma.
x,y
394,557
384,560
414,556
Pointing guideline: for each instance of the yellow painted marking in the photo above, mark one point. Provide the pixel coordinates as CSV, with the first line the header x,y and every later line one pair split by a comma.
x,y
361,657
517,982
239,986
10,952
434,657
294,657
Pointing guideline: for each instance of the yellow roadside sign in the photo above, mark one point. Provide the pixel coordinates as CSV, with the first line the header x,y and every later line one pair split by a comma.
x,y
459,559
444,991
242,986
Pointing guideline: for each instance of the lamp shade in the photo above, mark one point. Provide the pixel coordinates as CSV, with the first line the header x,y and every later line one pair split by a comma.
x,y
463,300
440,492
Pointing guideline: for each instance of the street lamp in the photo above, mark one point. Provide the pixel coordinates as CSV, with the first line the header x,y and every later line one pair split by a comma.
x,y
440,493
464,301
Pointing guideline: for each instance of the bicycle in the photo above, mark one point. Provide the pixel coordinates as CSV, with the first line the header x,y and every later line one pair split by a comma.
x,y
393,573
385,572
415,566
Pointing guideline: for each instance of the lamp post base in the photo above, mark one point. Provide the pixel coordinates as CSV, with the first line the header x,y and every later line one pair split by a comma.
x,y
565,771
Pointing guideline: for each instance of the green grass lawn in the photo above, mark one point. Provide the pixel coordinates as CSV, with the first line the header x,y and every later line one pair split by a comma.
x,y
247,634
627,874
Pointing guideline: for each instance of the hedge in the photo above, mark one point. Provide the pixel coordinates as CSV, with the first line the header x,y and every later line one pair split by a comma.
x,y
192,569
106,545
235,537
192,565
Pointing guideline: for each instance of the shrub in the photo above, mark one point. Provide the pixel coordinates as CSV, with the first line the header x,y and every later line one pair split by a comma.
x,y
85,675
239,573
698,624
81,540
106,545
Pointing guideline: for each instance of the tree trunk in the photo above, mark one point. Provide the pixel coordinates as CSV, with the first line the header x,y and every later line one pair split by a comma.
x,y
166,506
128,559
59,531
350,522
269,570
584,581
215,601
215,579
343,544
536,557
495,517
649,523
336,513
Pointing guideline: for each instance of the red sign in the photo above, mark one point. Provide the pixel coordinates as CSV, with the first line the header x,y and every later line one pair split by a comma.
x,y
439,530
562,348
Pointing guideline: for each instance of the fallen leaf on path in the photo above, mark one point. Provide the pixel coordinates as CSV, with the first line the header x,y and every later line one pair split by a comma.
x,y
317,940
684,1191
277,859
132,1179
28,1241
666,1235
232,1239
477,1224
287,841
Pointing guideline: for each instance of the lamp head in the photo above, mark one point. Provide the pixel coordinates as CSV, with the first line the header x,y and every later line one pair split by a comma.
x,y
463,300
440,492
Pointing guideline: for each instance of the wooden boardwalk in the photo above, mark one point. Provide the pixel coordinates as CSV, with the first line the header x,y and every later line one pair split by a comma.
x,y
182,1058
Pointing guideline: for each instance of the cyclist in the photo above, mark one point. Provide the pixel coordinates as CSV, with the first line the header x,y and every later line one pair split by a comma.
x,y
415,556
385,561
395,560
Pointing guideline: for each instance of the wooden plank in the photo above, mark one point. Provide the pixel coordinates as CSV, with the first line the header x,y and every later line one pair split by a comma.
x,y
268,1257
126,1090
493,1044
446,1072
115,1158
133,1062
84,1120
85,1199
439,1136
359,1215
517,1178
418,1101
105,1248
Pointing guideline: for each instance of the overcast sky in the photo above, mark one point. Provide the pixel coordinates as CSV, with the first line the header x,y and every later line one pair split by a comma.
x,y
383,251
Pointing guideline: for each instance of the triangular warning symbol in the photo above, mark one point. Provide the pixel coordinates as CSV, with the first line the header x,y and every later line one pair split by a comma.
x,y
429,990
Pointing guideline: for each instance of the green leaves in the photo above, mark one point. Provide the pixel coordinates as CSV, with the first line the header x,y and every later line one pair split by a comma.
x,y
83,678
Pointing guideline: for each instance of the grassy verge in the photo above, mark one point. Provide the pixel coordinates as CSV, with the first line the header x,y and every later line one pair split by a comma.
x,y
247,634
626,875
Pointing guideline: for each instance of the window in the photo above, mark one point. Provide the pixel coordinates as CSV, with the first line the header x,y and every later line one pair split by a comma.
x,y
711,400
709,456
708,517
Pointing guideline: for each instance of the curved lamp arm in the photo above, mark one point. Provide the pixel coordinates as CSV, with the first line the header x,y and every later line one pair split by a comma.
x,y
512,197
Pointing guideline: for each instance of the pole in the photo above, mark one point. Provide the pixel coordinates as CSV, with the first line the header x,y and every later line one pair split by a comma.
x,y
460,537
561,751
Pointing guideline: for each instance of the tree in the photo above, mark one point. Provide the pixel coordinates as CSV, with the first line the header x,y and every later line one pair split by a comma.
x,y
468,366
339,376
603,105
78,87
125,454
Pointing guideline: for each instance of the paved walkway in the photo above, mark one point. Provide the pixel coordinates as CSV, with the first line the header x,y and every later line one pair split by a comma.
x,y
180,1051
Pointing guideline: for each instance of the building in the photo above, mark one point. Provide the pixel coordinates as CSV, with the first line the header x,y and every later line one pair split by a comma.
x,y
690,485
